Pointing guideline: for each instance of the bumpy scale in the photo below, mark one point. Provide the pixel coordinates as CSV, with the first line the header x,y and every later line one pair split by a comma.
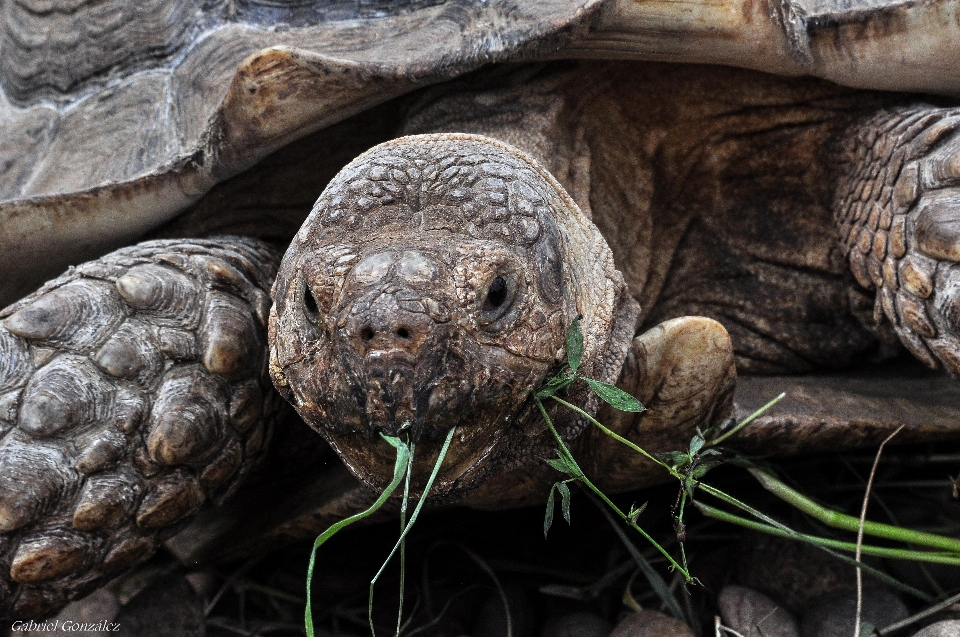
x,y
899,221
104,453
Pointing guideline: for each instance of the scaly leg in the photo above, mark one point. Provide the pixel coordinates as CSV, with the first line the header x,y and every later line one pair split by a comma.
x,y
898,209
132,390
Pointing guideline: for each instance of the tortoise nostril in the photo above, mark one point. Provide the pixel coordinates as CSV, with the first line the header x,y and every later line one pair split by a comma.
x,y
403,333
366,335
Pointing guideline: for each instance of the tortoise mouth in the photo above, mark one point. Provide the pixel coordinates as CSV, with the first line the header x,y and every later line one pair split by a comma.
x,y
392,395
451,382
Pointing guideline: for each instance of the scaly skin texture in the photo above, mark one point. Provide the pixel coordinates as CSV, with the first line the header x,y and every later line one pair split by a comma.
x,y
898,209
132,390
431,287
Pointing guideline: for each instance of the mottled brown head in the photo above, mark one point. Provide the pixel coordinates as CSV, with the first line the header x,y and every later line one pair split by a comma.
x,y
431,287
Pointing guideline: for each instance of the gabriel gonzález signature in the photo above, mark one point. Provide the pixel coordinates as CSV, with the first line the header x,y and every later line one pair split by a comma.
x,y
67,626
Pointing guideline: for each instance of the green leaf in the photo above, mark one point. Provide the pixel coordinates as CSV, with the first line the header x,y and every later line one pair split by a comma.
x,y
561,465
548,516
574,344
553,385
564,500
701,469
635,512
696,444
614,396
674,458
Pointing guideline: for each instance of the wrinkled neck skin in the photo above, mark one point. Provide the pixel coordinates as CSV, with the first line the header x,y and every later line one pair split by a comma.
x,y
431,287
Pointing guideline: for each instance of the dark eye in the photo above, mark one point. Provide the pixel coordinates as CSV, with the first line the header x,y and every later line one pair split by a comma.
x,y
497,296
310,305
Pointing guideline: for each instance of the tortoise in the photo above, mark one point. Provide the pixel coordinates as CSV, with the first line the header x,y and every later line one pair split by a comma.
x,y
702,220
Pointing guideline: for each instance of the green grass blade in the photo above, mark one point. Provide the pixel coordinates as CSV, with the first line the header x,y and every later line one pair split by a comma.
x,y
399,469
746,421
845,522
403,543
413,519
574,345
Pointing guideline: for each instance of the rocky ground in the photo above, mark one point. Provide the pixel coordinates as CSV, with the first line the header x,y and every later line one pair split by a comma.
x,y
464,569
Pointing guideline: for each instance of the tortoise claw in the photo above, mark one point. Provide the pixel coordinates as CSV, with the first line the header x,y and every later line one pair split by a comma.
x,y
937,233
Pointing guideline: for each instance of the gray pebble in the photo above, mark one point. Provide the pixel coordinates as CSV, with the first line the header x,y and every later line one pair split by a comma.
x,y
793,573
947,628
99,606
755,615
648,623
834,615
577,625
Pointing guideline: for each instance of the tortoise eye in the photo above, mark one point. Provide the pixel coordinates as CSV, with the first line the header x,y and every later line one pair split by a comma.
x,y
497,294
499,299
310,306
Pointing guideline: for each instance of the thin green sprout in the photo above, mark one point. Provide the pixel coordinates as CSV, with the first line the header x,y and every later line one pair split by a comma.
x,y
413,519
746,421
399,469
403,542
951,559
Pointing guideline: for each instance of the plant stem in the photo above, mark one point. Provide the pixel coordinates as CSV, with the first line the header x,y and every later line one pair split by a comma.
x,y
399,469
845,522
617,437
921,615
788,532
861,523
406,529
951,559
653,578
403,542
580,475
746,421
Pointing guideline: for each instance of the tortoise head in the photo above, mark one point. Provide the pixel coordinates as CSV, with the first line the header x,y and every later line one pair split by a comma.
x,y
431,287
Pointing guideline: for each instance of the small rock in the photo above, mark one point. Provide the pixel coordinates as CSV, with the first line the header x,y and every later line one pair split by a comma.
x,y
577,625
755,615
99,606
946,628
649,623
793,573
835,614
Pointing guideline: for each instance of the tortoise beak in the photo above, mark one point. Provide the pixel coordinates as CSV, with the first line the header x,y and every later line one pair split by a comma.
x,y
396,338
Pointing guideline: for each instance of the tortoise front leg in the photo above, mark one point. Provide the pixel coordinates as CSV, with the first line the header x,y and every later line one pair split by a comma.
x,y
898,209
683,372
132,390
